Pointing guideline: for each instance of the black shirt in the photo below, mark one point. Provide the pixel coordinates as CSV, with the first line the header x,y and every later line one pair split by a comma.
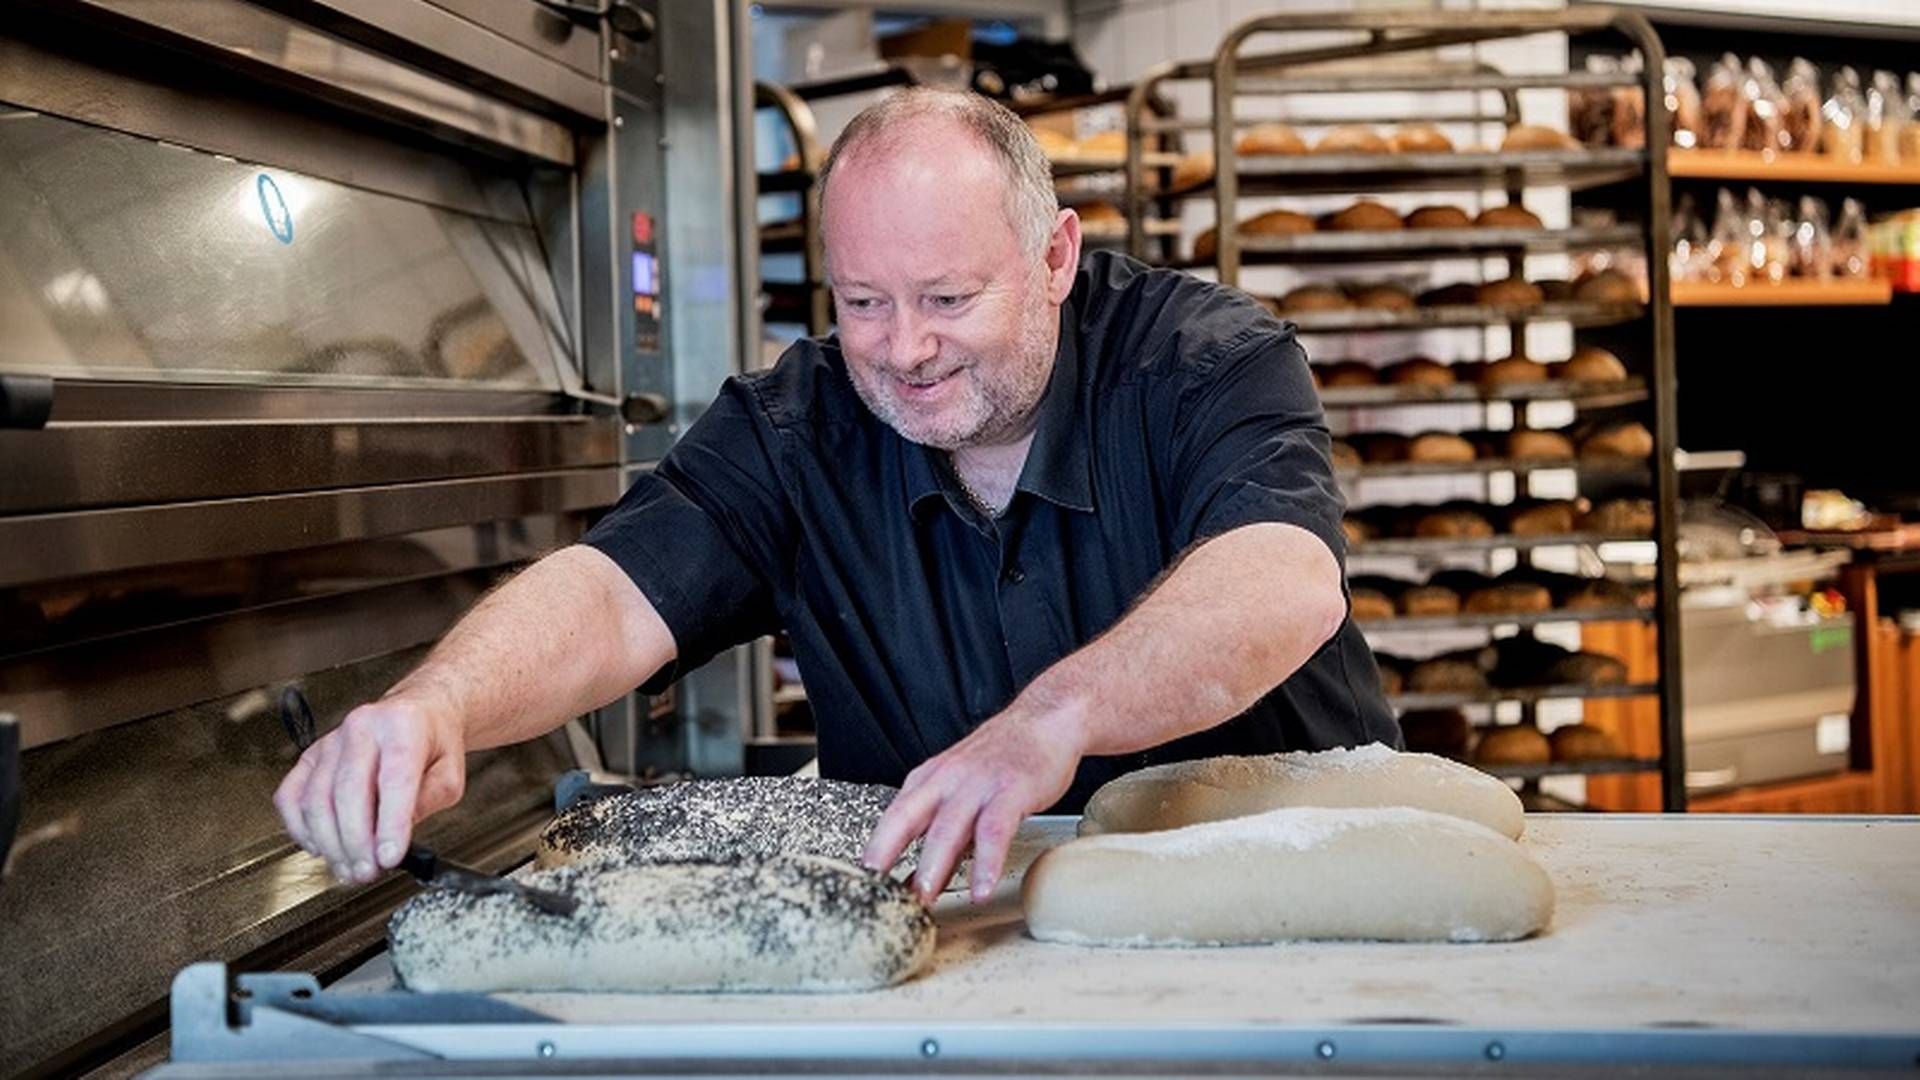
x,y
1177,410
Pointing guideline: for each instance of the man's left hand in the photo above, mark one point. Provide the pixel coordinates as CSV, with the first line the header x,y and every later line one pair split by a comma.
x,y
977,793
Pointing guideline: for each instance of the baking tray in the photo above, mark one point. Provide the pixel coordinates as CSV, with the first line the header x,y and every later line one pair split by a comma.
x,y
1586,395
1400,245
1410,623
1319,174
1579,313
1593,467
1524,695
1598,767
1501,542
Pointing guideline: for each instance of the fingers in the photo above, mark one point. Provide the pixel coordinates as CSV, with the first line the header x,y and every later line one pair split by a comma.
x,y
316,807
399,788
946,840
287,799
353,799
992,838
909,815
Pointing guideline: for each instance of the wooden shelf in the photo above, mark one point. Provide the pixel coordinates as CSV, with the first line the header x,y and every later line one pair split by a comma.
x,y
1803,168
1856,293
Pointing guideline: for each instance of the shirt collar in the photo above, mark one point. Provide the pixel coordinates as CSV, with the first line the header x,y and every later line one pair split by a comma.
x,y
1059,464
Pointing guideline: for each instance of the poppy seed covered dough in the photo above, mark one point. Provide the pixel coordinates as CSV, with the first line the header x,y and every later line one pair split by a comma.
x,y
1214,789
800,923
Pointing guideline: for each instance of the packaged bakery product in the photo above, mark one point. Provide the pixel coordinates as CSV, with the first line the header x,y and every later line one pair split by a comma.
x,y
1381,298
1590,364
1437,731
1351,139
1539,446
1315,298
1723,108
1606,287
1507,217
1513,371
1844,118
1765,130
1439,447
1346,373
1420,139
1622,439
1850,251
1679,80
1590,109
1620,517
1810,253
1509,292
1574,743
1552,517
1429,599
1512,744
1418,371
1439,217
1365,216
1802,122
1886,118
1629,120
1265,139
1537,137
1910,135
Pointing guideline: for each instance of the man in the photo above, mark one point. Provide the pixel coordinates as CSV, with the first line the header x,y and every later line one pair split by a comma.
x,y
1028,525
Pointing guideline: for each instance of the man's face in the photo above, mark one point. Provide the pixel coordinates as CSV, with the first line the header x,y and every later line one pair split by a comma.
x,y
947,325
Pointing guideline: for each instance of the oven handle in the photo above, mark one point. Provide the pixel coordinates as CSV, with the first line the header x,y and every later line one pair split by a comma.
x,y
9,786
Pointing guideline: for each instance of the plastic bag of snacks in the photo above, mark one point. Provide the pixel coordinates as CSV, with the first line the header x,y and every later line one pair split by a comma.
x,y
1590,110
1683,101
1887,118
1692,259
1812,255
1727,244
1630,108
1771,235
1723,108
1843,135
1851,257
1766,109
1910,135
1802,121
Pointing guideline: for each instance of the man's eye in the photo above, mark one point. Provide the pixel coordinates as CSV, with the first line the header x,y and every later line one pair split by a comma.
x,y
947,301
860,303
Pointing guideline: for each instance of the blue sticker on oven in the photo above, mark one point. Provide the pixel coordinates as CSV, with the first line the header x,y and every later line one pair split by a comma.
x,y
273,207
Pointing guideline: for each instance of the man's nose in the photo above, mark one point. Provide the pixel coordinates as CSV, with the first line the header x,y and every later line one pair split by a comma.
x,y
912,341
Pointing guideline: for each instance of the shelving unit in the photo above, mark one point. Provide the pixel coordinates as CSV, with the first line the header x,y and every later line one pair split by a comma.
x,y
1861,292
1235,73
1753,166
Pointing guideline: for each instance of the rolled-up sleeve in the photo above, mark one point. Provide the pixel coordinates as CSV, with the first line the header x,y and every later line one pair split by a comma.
x,y
1250,444
701,534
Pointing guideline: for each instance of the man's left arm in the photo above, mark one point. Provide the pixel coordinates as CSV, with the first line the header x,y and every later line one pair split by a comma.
x,y
1257,593
1238,615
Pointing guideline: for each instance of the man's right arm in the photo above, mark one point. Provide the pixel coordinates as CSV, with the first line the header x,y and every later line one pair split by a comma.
x,y
569,634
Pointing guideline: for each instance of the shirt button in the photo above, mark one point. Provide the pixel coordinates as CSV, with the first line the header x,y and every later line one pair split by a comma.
x,y
1015,575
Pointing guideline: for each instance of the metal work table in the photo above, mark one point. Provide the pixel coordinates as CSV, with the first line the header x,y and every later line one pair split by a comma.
x,y
1737,942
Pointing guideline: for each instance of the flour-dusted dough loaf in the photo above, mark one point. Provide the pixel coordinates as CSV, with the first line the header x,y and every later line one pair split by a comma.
x,y
1299,873
797,923
1214,789
744,818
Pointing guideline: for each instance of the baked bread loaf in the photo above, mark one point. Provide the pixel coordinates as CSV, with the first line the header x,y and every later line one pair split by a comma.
x,y
1264,139
1357,531
1539,446
1606,287
1438,217
1582,742
1271,223
1513,744
1508,217
1100,217
1437,731
1347,373
1598,594
1351,139
1620,517
1440,447
1587,669
1191,171
1053,143
1509,598
1543,519
1418,371
1315,298
782,923
1555,289
1460,292
1111,143
1429,600
1513,371
1591,364
1366,604
1509,292
1344,455
1393,676
1535,137
1365,216
1382,298
1446,675
1420,139
1626,439
1452,524
1381,447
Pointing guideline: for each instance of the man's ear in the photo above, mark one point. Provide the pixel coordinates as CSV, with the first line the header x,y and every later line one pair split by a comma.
x,y
1063,256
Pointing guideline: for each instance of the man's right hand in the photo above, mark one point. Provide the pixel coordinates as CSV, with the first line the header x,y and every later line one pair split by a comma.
x,y
354,796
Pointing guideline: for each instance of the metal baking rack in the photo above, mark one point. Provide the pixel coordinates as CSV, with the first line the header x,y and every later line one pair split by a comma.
x,y
1381,40
1590,467
1413,623
804,302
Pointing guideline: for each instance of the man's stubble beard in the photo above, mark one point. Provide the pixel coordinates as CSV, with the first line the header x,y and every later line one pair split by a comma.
x,y
995,411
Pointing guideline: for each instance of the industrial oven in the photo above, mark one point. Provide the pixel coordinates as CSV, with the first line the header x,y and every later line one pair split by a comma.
x,y
316,319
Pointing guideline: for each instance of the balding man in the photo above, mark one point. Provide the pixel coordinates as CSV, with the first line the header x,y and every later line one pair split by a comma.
x,y
1030,523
